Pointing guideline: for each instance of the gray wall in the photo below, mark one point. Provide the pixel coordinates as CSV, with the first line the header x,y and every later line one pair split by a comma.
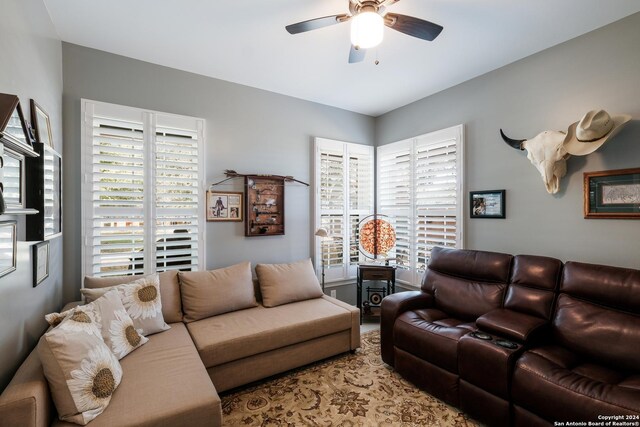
x,y
248,130
546,91
31,68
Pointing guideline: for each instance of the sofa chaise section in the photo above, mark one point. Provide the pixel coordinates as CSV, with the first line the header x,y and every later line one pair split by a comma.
x,y
164,384
247,345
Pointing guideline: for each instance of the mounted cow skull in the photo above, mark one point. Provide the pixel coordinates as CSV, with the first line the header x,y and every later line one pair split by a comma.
x,y
546,152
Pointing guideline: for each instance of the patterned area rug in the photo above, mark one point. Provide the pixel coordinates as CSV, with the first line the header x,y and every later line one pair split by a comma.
x,y
349,390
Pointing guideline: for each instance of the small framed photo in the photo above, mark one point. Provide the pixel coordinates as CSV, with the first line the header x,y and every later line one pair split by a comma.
x,y
41,124
612,194
224,206
40,262
8,243
487,204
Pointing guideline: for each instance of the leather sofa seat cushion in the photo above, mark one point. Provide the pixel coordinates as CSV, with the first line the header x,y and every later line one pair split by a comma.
x,y
163,384
232,336
431,335
169,291
552,380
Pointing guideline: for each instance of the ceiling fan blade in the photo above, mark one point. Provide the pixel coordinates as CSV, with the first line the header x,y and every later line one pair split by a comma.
x,y
415,27
356,55
314,24
387,3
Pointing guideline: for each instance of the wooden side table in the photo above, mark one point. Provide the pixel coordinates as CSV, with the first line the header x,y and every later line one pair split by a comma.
x,y
375,272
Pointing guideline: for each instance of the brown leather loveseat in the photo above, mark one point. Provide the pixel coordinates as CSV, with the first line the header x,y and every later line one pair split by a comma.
x,y
520,340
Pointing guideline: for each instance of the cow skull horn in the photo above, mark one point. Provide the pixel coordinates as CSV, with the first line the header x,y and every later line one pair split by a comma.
x,y
515,143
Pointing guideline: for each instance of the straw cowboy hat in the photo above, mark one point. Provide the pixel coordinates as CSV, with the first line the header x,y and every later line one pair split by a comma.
x,y
593,130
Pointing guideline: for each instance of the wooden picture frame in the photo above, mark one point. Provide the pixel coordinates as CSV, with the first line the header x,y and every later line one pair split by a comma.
x,y
612,194
224,206
8,247
40,262
41,124
264,206
487,204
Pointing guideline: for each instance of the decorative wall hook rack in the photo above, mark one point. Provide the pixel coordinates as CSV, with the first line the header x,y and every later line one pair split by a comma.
x,y
231,174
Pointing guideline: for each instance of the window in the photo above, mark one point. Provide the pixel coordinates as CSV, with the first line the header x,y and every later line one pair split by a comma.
x,y
142,191
420,189
343,197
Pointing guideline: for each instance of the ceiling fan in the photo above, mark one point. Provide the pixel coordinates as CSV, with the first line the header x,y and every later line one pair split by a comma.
x,y
368,19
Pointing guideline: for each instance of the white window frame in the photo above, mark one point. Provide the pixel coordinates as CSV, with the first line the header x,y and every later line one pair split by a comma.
x,y
412,276
335,276
149,122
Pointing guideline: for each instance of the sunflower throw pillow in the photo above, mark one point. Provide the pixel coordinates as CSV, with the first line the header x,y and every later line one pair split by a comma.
x,y
141,300
117,328
81,371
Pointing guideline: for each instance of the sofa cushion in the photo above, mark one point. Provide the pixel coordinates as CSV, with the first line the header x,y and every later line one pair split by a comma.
x,y
284,283
431,335
208,293
169,291
141,299
552,380
81,371
164,384
466,284
232,336
597,332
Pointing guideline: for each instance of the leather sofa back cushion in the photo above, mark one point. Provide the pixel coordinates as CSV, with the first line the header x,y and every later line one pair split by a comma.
x,y
169,291
610,286
533,282
208,293
464,299
466,283
597,332
478,266
285,283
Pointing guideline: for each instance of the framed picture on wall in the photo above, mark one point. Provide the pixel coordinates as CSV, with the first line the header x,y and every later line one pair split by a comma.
x,y
612,194
8,238
41,124
40,262
487,204
224,206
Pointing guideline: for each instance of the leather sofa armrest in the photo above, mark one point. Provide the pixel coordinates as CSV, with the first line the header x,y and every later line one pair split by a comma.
x,y
512,324
392,307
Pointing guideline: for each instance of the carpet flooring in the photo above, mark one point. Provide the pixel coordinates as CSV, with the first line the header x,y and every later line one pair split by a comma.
x,y
349,390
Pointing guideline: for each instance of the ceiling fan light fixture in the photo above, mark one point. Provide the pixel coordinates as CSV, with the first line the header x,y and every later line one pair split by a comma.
x,y
367,30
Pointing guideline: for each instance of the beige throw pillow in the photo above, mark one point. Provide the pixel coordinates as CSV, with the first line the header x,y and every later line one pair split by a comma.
x,y
81,370
208,293
284,283
141,299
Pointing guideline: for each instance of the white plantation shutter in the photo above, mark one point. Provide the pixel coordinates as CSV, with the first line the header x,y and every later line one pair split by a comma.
x,y
395,165
332,198
141,191
420,187
344,195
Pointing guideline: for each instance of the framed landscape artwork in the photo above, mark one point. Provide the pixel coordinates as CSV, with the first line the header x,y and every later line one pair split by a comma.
x,y
487,204
224,206
612,194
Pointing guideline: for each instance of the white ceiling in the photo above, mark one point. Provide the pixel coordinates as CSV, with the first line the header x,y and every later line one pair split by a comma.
x,y
244,41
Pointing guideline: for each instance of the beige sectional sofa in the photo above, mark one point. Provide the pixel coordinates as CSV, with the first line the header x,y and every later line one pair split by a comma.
x,y
174,379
